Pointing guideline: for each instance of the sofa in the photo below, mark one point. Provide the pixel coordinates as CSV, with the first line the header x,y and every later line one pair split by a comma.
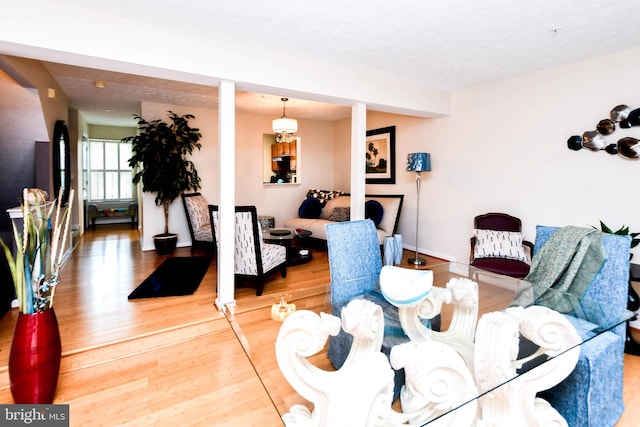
x,y
316,212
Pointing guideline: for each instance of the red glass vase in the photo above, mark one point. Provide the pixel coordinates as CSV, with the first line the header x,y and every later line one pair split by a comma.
x,y
34,360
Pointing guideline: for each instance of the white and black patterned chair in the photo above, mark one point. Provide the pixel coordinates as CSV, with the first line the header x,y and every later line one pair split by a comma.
x,y
254,260
196,209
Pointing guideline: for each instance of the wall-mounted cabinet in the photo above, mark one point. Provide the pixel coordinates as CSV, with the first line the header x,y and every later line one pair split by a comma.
x,y
281,161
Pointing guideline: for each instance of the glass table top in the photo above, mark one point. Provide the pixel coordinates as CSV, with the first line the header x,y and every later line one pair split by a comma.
x,y
257,332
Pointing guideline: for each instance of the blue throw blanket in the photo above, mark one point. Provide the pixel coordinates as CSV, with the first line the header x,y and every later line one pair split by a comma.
x,y
562,270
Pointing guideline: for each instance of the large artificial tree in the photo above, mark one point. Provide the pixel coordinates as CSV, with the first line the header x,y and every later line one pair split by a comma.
x,y
160,158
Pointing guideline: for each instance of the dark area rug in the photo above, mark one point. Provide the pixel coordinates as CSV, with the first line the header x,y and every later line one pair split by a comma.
x,y
175,276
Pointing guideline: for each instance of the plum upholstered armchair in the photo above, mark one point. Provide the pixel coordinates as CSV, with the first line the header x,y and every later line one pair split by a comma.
x,y
592,394
498,245
254,260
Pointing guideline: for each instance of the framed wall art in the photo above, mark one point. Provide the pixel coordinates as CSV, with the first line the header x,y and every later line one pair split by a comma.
x,y
381,154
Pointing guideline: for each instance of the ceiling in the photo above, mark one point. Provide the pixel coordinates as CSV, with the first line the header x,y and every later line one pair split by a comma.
x,y
445,44
115,104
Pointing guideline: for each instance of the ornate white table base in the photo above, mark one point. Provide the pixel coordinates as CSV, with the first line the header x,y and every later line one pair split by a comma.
x,y
358,394
443,370
497,339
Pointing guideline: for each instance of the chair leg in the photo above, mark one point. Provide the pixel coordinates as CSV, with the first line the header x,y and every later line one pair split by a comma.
x,y
259,287
283,271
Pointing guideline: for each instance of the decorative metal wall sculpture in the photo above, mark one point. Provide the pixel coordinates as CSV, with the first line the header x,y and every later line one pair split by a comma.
x,y
594,140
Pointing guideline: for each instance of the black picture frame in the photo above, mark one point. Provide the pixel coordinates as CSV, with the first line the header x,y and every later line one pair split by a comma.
x,y
381,156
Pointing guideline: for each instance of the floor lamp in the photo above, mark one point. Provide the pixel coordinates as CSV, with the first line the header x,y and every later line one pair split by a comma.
x,y
418,162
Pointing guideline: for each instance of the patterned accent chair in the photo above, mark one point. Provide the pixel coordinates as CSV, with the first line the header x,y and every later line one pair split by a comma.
x,y
498,245
592,395
355,262
196,209
254,260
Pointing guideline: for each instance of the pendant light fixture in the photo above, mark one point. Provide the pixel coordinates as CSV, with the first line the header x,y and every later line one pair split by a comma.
x,y
284,125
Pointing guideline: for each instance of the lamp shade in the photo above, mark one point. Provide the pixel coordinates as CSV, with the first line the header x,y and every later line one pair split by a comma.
x,y
418,162
285,125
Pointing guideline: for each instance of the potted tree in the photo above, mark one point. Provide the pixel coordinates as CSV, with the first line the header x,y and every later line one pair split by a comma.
x,y
160,160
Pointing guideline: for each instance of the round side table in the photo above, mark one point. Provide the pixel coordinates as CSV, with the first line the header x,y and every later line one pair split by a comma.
x,y
291,239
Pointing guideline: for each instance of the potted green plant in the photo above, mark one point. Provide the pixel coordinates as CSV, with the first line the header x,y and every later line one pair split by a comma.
x,y
622,231
160,160
34,358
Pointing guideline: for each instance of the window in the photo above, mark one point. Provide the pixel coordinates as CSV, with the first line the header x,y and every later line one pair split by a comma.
x,y
109,171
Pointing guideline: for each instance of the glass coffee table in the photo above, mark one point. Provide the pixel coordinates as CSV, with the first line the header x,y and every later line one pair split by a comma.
x,y
474,364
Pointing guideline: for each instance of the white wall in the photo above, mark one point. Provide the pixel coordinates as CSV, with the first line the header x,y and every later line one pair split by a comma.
x,y
505,149
282,202
27,115
202,60
314,159
412,135
110,132
152,216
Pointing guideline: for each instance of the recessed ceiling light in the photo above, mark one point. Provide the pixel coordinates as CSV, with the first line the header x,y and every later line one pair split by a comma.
x,y
99,84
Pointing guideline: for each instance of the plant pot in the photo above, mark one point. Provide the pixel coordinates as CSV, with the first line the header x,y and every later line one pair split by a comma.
x,y
165,244
34,359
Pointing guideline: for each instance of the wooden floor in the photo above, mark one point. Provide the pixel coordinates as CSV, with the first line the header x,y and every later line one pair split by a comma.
x,y
177,360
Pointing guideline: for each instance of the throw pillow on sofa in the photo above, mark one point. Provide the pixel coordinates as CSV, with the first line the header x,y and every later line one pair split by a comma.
x,y
374,211
340,215
311,208
323,195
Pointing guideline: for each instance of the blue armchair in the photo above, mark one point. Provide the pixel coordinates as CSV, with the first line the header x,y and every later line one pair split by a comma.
x,y
355,262
592,394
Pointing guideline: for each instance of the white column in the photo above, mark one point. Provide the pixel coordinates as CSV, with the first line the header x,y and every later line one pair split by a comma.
x,y
226,191
358,159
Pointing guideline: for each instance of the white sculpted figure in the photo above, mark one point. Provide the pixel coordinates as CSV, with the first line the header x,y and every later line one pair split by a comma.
x,y
360,393
412,292
496,362
436,381
445,371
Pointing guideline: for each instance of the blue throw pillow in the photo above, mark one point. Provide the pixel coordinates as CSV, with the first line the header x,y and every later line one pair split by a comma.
x,y
373,211
310,208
